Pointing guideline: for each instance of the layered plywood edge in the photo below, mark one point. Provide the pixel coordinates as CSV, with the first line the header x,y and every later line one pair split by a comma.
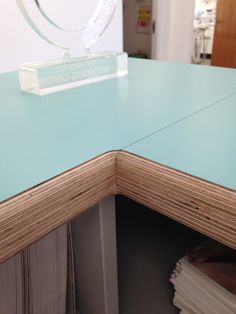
x,y
34,213
201,205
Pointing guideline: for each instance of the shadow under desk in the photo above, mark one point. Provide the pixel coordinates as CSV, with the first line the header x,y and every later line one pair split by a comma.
x,y
148,247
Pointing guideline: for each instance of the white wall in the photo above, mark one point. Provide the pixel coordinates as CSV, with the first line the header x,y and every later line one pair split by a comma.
x,y
19,44
174,30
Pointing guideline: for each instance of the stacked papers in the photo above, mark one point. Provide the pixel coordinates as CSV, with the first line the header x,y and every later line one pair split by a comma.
x,y
40,279
11,292
205,280
45,278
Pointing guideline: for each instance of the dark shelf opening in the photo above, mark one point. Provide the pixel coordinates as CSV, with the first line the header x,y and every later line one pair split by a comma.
x,y
148,247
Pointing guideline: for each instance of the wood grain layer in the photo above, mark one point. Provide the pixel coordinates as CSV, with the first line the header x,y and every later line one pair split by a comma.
x,y
201,205
31,215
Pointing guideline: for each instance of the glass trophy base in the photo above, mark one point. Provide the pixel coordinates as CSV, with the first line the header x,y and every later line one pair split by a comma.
x,y
42,78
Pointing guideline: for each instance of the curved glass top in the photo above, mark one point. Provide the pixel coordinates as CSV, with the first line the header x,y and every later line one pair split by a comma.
x,y
57,22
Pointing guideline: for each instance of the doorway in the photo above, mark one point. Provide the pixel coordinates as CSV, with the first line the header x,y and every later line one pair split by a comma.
x,y
158,29
214,40
138,28
203,31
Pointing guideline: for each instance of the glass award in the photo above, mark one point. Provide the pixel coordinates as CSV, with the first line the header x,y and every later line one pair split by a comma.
x,y
47,19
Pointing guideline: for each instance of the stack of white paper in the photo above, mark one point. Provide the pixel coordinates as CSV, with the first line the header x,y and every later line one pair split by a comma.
x,y
40,279
45,264
205,280
71,283
11,293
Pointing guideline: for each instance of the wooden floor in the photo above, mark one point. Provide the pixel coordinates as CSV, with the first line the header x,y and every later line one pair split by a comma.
x,y
203,206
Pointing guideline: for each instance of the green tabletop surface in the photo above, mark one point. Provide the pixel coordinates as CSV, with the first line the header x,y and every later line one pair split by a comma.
x,y
41,137
203,145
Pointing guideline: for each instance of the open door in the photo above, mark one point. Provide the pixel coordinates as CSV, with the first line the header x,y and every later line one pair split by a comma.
x,y
224,47
137,27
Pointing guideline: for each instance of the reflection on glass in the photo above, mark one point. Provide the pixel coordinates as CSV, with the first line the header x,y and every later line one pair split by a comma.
x,y
57,22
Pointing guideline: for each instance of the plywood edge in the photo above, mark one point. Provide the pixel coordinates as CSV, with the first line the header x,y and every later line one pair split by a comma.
x,y
34,213
201,205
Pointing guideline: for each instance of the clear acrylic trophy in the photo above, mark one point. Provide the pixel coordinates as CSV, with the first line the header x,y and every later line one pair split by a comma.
x,y
48,21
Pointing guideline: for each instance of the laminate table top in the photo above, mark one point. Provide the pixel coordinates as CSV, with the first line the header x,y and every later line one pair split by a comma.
x,y
203,145
41,137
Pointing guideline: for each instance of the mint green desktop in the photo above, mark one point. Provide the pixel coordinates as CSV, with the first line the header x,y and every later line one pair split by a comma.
x,y
182,116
